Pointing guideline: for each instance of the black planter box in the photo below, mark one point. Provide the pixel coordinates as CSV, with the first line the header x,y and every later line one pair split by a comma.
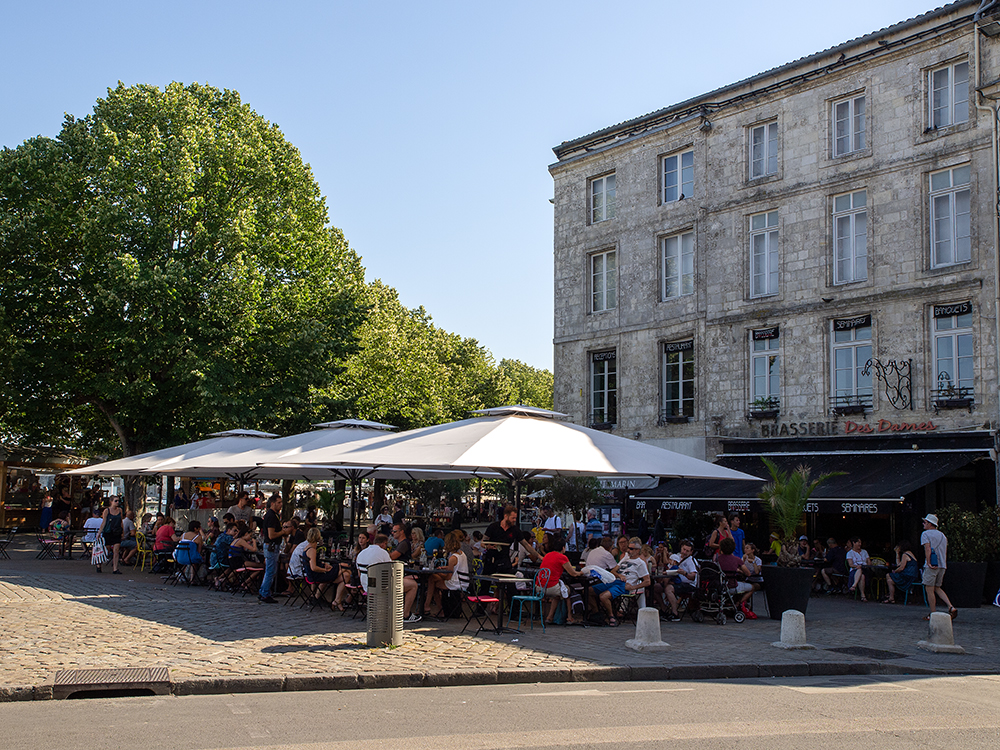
x,y
786,588
964,582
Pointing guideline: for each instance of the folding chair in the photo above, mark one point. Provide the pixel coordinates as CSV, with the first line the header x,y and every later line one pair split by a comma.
x,y
299,589
186,557
536,596
5,542
358,603
47,545
479,604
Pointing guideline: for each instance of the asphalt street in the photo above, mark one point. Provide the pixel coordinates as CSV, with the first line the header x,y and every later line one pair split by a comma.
x,y
878,712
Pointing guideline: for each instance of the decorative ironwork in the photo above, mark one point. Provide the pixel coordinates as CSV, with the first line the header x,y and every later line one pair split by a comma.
x,y
950,396
673,416
763,407
851,403
896,378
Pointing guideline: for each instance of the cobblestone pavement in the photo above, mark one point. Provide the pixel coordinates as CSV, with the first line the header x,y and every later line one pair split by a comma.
x,y
62,614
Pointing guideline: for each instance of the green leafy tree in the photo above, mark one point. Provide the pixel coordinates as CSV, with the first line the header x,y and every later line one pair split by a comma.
x,y
786,495
575,494
166,269
409,373
529,385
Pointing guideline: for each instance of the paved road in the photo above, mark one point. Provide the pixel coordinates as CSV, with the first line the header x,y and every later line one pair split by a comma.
x,y
58,615
787,714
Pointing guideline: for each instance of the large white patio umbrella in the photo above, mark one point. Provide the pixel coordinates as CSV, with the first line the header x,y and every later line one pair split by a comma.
x,y
519,442
140,463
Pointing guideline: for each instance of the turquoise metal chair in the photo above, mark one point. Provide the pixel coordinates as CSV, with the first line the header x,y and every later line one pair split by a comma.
x,y
537,594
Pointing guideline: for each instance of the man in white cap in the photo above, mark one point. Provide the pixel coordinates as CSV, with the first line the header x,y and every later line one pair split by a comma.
x,y
935,546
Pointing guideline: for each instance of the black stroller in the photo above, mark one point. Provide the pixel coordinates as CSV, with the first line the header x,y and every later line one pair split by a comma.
x,y
714,597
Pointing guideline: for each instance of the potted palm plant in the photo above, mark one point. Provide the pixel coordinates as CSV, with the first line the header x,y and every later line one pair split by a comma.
x,y
786,584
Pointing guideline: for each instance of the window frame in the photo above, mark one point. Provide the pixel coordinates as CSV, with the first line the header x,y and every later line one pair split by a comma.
x,y
771,234
853,134
683,355
862,388
851,214
608,206
771,150
765,346
953,107
952,192
679,181
607,361
609,289
680,256
962,327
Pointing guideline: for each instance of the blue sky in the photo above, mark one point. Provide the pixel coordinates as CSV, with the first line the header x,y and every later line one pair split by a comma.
x,y
429,126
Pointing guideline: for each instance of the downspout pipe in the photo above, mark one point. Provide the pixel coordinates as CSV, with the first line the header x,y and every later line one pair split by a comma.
x,y
994,114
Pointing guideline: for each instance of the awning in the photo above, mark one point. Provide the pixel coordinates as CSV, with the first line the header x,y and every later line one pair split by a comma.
x,y
871,483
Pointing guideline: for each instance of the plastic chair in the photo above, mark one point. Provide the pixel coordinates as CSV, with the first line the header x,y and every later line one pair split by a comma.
x,y
536,595
910,586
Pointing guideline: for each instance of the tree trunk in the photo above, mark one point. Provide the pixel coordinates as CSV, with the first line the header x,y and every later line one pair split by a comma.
x,y
288,506
339,493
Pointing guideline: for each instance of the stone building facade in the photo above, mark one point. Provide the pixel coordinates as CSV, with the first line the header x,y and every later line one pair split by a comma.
x,y
725,268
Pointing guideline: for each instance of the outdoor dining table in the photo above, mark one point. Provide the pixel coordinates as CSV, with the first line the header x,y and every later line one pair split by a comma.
x,y
503,581
422,575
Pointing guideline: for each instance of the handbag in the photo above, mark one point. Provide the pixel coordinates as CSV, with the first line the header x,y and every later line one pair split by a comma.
x,y
99,552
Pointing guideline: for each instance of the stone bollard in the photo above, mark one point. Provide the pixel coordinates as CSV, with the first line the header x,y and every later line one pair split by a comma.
x,y
647,632
793,630
940,637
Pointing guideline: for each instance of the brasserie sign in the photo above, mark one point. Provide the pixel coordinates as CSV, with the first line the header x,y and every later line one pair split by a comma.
x,y
826,429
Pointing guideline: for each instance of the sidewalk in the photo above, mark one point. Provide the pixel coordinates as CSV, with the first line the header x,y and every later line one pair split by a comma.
x,y
60,615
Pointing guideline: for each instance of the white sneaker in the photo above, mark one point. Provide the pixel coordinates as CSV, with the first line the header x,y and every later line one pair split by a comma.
x,y
413,618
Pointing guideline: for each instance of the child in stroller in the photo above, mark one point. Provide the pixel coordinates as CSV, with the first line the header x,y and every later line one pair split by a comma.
x,y
714,596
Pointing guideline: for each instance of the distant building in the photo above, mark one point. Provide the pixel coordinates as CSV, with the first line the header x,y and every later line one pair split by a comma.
x,y
803,263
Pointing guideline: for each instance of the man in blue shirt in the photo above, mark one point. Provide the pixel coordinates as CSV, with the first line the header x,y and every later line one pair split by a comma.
x,y
738,536
594,528
434,542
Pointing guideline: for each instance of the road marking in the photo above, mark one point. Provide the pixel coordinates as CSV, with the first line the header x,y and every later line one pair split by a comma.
x,y
873,688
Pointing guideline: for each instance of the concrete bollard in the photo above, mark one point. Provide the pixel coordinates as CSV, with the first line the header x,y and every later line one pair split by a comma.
x,y
940,636
793,631
647,632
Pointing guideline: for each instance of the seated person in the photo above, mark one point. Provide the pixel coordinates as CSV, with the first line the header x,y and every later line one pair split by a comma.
x,y
556,562
857,558
750,559
129,546
731,565
804,550
90,528
446,578
376,552
244,545
316,574
194,535
220,550
632,575
906,572
401,550
166,536
686,582
836,563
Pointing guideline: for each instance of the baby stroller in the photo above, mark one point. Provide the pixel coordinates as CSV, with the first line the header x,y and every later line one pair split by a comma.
x,y
714,596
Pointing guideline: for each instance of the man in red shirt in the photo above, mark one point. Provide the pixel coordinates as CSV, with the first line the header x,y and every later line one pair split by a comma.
x,y
730,565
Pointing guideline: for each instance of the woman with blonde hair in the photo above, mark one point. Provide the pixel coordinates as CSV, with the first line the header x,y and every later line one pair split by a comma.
x,y
447,578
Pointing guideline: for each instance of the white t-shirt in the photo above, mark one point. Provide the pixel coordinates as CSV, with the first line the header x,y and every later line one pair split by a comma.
x,y
552,523
634,571
91,525
601,558
295,566
857,559
688,565
369,556
939,546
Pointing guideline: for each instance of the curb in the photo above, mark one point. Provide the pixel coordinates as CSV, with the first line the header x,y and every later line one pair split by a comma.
x,y
470,677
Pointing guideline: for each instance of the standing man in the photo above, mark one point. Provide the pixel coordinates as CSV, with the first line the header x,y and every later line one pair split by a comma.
x,y
243,510
505,531
553,522
935,546
739,538
274,535
594,528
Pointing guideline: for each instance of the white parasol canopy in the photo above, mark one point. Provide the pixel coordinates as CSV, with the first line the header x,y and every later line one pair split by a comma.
x,y
238,440
519,442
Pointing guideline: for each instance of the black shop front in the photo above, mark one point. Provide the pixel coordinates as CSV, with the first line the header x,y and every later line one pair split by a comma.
x,y
887,480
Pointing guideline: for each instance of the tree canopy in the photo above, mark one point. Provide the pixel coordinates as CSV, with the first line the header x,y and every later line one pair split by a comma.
x,y
166,269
